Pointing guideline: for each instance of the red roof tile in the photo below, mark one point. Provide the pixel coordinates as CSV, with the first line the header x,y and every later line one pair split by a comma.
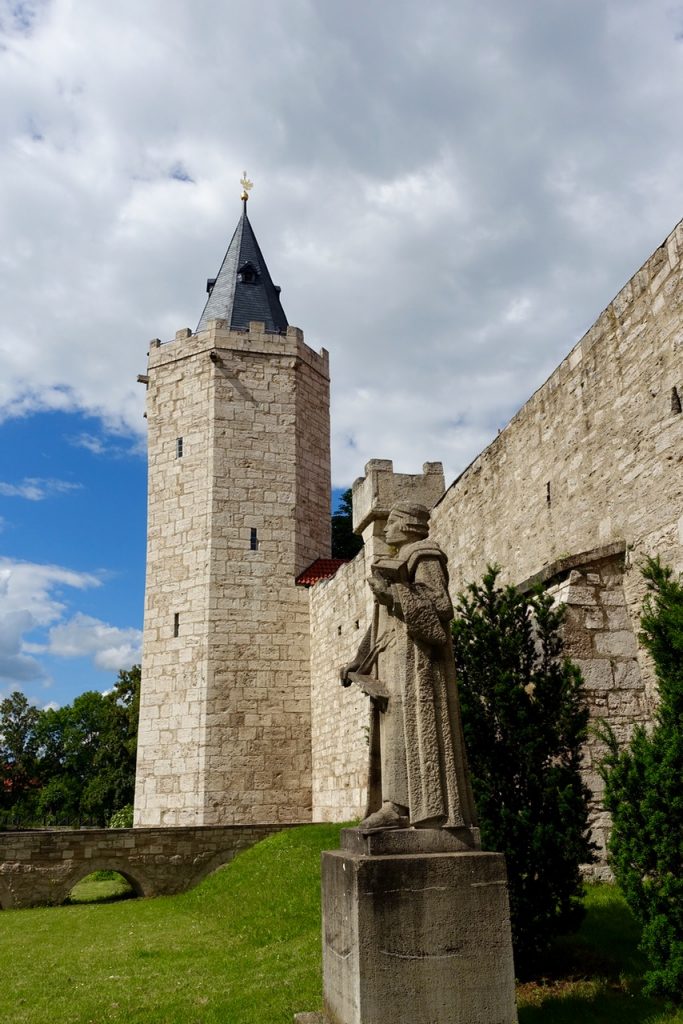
x,y
321,569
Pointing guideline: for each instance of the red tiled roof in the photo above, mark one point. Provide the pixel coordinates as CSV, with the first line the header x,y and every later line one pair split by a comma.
x,y
321,569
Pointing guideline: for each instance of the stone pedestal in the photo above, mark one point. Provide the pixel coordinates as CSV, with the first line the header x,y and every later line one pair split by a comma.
x,y
416,938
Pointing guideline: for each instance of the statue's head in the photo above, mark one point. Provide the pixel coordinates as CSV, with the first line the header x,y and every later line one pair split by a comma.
x,y
407,522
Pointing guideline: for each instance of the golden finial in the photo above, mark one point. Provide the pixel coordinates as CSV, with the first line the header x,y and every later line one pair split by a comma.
x,y
246,186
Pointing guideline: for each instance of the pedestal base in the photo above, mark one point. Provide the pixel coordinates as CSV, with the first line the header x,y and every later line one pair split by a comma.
x,y
409,840
416,939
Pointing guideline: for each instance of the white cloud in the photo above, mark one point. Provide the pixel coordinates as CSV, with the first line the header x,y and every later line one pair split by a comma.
x,y
421,175
110,648
97,445
36,488
90,442
31,598
37,589
35,621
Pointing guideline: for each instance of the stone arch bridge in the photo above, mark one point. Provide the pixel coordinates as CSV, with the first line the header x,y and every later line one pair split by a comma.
x,y
40,867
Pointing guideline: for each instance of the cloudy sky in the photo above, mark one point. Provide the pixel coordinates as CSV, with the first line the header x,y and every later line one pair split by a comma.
x,y
448,194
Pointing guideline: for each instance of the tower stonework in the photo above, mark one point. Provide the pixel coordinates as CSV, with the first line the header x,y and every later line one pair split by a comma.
x,y
238,506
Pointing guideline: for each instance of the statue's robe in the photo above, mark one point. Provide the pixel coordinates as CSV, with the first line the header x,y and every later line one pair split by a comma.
x,y
417,755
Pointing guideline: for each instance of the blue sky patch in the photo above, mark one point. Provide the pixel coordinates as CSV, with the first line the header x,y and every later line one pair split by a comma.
x,y
179,173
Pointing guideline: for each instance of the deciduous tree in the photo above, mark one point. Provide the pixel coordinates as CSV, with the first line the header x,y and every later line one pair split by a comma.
x,y
18,751
72,765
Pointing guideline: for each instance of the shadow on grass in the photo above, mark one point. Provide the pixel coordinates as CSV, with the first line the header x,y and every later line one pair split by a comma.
x,y
610,925
602,1007
116,897
594,976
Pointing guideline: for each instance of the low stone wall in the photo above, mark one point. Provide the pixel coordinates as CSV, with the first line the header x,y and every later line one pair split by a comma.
x,y
40,868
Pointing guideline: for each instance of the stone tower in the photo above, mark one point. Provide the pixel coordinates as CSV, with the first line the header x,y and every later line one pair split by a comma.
x,y
238,506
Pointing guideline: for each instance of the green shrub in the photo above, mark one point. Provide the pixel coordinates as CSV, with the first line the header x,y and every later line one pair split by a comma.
x,y
122,818
644,792
525,719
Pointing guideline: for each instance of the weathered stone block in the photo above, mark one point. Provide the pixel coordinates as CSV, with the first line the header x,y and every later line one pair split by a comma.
x,y
578,595
595,619
618,643
618,618
424,939
627,675
596,672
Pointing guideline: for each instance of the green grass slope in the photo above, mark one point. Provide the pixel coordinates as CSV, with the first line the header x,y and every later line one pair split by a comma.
x,y
242,947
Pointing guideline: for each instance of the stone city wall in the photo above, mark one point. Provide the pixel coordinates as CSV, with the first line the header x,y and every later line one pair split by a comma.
x,y
41,867
592,461
340,716
594,457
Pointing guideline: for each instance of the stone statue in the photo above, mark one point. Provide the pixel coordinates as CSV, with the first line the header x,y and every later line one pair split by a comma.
x,y
418,771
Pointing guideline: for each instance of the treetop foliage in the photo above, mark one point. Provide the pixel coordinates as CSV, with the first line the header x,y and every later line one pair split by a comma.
x,y
345,543
71,765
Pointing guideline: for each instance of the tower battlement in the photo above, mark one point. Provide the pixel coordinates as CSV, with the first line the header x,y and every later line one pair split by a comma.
x,y
218,334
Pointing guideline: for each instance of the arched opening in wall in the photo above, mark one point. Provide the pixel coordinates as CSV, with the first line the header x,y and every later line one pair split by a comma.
x,y
103,886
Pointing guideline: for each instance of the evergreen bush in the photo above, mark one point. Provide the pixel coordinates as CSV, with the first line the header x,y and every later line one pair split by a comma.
x,y
525,720
644,792
122,818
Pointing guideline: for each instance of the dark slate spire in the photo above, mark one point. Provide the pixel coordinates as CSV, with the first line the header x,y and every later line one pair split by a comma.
x,y
243,290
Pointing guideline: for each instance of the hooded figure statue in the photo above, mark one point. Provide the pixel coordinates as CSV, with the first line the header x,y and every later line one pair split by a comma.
x,y
418,770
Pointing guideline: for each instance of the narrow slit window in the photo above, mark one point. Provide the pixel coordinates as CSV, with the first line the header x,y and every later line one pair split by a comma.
x,y
547,493
176,624
675,401
178,447
253,541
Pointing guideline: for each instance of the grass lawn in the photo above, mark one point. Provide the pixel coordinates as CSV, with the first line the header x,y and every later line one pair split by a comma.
x,y
244,948
101,887
241,948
